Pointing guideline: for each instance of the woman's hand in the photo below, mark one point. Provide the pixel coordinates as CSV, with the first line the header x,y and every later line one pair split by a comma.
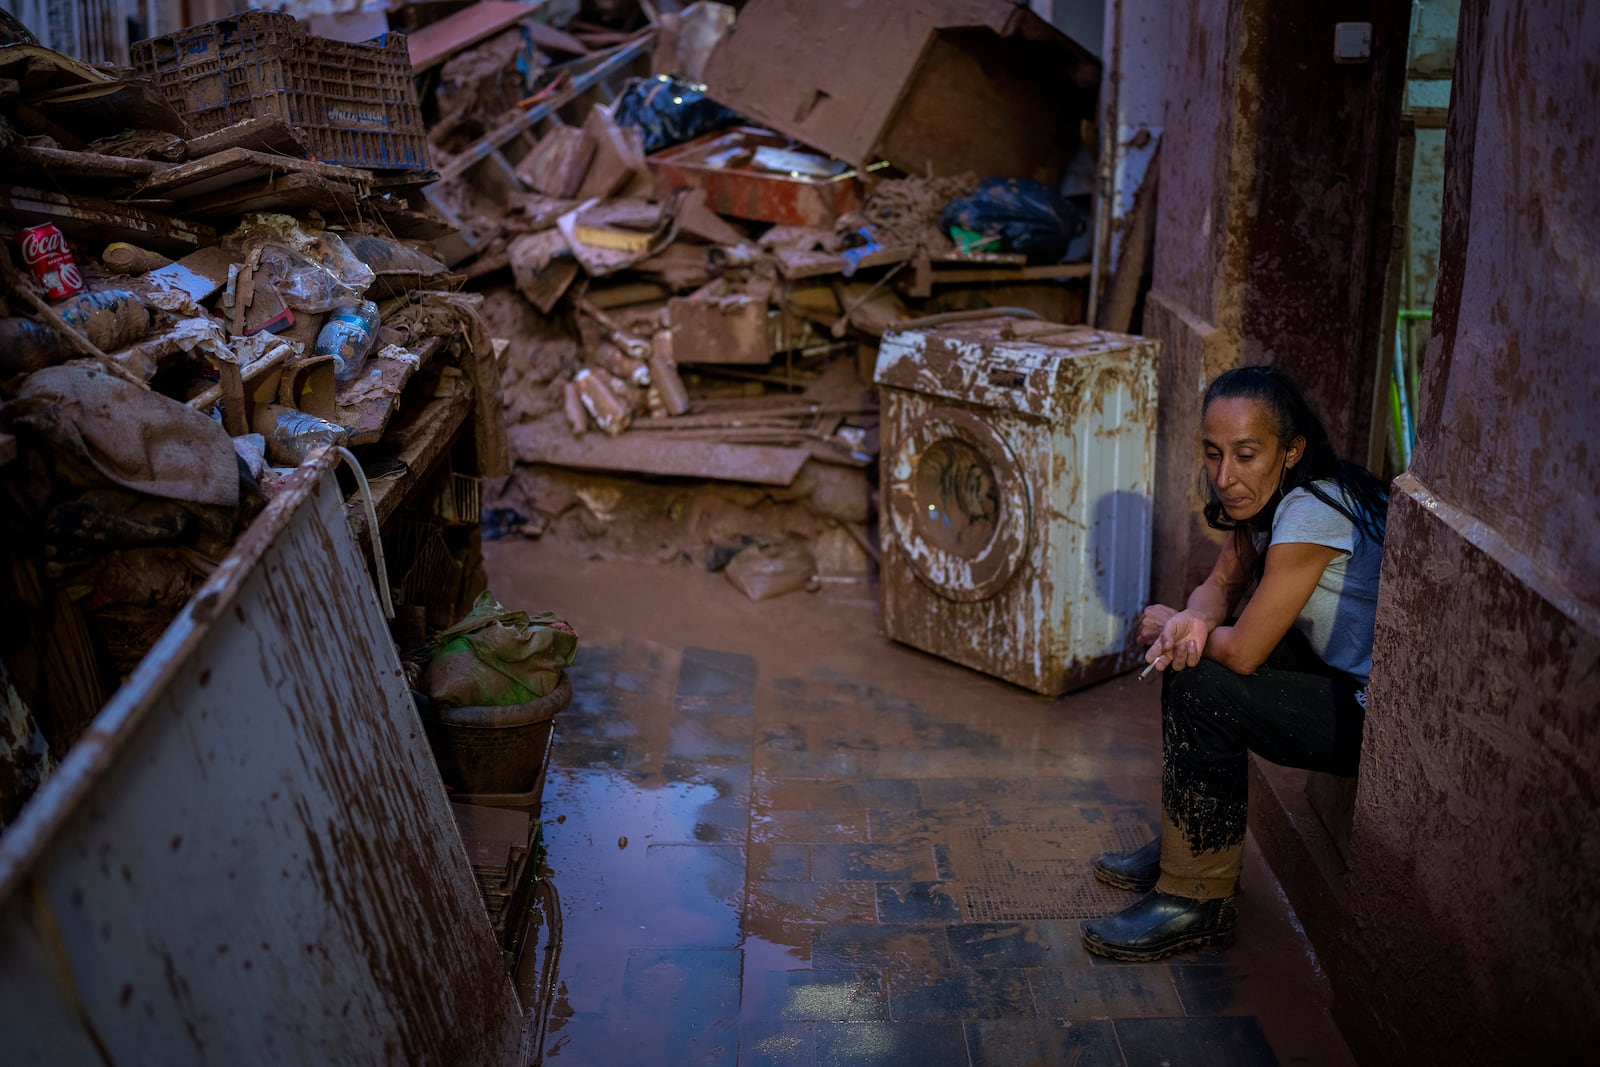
x,y
1151,620
1181,643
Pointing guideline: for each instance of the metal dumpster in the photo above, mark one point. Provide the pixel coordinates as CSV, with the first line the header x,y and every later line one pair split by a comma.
x,y
249,856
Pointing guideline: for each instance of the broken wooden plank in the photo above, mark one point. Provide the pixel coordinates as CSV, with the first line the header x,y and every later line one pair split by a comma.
x,y
603,67
553,40
236,166
365,404
283,192
1042,272
100,221
425,435
437,42
797,263
404,221
550,441
263,133
66,167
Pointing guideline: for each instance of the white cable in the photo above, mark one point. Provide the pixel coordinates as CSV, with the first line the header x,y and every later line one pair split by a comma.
x,y
372,528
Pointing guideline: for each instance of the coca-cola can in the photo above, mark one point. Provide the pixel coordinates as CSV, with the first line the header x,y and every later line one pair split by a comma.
x,y
45,251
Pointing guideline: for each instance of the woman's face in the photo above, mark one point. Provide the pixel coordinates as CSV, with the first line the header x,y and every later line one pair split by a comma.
x,y
1245,461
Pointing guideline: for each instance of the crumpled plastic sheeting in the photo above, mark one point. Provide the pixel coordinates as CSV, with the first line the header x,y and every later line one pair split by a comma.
x,y
104,430
323,248
1024,215
670,111
495,657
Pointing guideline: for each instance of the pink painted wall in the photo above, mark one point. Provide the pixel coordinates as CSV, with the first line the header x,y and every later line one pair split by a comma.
x,y
1473,928
1514,422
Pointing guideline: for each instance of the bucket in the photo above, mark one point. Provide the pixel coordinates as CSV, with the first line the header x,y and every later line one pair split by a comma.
x,y
496,755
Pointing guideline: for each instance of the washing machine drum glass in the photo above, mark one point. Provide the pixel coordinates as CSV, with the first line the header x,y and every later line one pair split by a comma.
x,y
959,505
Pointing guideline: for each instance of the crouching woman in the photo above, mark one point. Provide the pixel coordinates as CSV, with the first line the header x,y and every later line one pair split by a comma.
x,y
1270,655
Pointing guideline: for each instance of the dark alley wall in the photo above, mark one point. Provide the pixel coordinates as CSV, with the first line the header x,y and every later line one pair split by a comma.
x,y
1272,163
1474,928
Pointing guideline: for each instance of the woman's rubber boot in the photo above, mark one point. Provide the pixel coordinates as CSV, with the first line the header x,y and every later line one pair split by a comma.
x,y
1159,925
1138,869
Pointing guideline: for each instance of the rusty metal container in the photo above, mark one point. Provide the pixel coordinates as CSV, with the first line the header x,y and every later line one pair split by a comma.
x,y
721,164
1018,462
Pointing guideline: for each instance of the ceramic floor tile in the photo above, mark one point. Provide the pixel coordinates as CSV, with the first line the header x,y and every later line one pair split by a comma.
x,y
1079,993
1220,1041
878,1044
777,1045
809,826
1004,945
780,862
817,903
813,996
1043,1043
917,902
873,863
905,949
956,994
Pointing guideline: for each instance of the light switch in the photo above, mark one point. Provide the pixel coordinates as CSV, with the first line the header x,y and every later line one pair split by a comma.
x,y
1352,42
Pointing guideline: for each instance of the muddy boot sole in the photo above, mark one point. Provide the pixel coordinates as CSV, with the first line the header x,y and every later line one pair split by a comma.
x,y
1122,881
1157,952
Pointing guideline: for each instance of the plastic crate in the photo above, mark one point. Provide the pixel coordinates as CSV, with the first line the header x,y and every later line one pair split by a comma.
x,y
355,104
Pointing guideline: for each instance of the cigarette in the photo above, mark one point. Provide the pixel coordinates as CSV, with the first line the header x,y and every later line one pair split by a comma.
x,y
1150,668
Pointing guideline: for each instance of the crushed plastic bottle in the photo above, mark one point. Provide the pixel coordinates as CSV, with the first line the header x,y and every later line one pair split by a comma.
x,y
347,336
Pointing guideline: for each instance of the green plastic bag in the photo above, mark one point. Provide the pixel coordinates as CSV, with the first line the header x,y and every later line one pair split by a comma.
x,y
495,657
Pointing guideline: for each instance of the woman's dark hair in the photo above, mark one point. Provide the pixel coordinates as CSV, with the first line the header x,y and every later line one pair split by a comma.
x,y
1292,417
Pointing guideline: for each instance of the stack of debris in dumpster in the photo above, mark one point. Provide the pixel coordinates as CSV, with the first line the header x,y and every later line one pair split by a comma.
x,y
191,306
688,281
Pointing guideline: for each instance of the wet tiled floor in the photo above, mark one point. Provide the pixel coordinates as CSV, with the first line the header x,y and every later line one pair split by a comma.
x,y
779,839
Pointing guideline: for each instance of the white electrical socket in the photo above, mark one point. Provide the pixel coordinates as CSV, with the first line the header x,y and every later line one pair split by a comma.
x,y
1352,42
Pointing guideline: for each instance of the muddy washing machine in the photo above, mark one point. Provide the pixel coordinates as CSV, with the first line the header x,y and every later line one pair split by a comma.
x,y
1018,466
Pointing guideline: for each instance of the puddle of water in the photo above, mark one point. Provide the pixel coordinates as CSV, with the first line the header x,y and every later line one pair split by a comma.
x,y
628,858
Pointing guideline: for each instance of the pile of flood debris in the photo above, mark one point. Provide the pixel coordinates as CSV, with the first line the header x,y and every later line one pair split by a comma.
x,y
688,263
191,306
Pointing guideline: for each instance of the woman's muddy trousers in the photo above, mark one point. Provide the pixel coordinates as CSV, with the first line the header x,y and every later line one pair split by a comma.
x,y
1295,711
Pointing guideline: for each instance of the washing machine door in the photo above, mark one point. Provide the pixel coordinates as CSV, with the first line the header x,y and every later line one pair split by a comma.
x,y
958,503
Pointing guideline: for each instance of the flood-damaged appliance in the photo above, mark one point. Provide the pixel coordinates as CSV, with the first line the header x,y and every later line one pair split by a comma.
x,y
1018,461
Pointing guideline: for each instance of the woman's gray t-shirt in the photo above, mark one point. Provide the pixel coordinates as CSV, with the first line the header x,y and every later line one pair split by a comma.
x,y
1338,619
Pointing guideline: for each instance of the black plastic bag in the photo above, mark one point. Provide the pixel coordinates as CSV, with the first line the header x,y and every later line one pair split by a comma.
x,y
1018,215
670,111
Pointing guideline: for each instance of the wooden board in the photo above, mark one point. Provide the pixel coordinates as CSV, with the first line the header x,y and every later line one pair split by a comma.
x,y
107,173
101,221
554,40
287,193
1044,271
236,166
426,434
550,441
264,133
368,417
435,43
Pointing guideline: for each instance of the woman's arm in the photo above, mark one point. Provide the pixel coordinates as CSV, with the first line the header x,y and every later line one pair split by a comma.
x,y
1292,572
1184,634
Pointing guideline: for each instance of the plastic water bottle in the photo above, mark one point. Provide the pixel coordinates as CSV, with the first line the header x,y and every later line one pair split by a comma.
x,y
347,336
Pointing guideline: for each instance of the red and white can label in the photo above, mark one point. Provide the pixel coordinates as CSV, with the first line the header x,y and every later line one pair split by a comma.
x,y
45,251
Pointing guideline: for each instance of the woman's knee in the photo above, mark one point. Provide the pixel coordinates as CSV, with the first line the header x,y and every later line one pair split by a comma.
x,y
1208,678
1199,701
